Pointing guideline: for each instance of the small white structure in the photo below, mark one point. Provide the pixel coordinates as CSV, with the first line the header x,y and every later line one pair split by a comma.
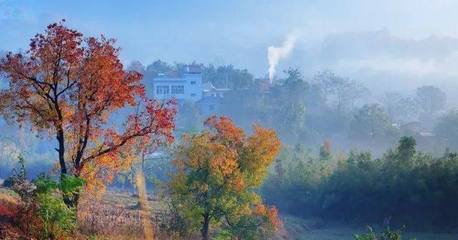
x,y
211,91
211,99
187,87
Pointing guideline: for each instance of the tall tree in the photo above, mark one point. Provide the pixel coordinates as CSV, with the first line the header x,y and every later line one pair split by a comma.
x,y
342,92
68,86
287,105
371,121
156,68
227,77
400,108
217,173
136,66
431,99
447,128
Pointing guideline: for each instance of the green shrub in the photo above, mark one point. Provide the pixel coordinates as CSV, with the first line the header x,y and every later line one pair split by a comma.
x,y
387,234
404,185
58,219
43,213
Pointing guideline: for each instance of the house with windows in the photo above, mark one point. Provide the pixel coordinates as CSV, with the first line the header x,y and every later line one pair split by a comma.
x,y
188,87
184,87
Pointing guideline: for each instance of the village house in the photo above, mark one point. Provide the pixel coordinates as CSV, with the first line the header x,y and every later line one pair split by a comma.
x,y
184,87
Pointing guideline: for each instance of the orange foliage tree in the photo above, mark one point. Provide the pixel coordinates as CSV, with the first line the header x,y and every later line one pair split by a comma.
x,y
68,86
217,173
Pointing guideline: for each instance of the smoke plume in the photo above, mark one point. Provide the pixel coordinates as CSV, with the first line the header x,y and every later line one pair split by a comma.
x,y
275,54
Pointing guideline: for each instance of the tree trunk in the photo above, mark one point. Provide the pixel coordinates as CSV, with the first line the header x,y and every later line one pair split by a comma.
x,y
69,201
61,151
72,201
75,198
205,227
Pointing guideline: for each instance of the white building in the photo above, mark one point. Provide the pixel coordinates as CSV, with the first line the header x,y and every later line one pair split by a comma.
x,y
187,87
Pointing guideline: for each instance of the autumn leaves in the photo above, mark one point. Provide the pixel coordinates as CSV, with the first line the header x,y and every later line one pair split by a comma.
x,y
67,86
217,173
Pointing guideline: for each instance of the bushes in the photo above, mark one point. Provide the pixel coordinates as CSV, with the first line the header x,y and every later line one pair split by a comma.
x,y
387,234
407,186
43,213
57,218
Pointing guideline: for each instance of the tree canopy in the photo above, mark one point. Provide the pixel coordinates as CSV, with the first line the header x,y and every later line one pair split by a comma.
x,y
68,86
217,173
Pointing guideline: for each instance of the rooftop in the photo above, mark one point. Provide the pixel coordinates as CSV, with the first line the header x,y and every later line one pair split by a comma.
x,y
177,75
208,87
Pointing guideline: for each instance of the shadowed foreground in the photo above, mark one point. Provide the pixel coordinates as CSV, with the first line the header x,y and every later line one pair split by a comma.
x,y
116,216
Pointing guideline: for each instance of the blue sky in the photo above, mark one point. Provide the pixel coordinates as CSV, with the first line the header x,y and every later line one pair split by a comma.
x,y
239,31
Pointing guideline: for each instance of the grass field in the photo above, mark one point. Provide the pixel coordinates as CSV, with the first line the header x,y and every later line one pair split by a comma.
x,y
116,216
295,228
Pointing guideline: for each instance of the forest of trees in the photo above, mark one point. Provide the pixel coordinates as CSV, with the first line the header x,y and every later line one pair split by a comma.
x,y
319,146
347,155
309,110
67,87
405,186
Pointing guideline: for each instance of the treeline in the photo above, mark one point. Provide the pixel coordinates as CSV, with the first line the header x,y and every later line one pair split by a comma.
x,y
404,186
309,109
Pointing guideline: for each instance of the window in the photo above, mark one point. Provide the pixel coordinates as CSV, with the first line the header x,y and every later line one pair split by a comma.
x,y
178,89
193,82
162,90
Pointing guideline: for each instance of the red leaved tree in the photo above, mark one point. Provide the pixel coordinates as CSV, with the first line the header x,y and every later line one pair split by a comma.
x,y
68,86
